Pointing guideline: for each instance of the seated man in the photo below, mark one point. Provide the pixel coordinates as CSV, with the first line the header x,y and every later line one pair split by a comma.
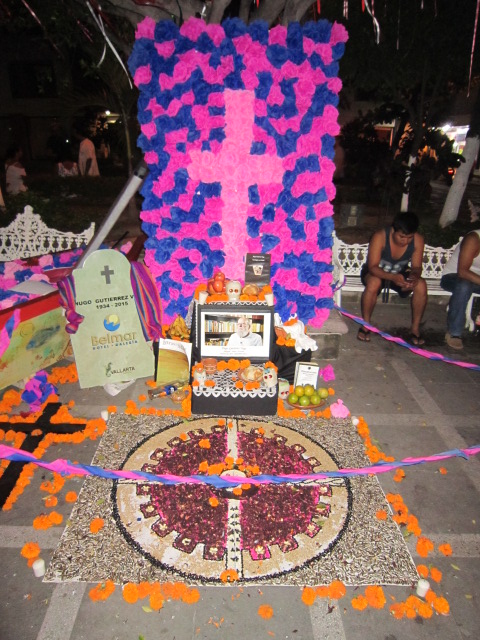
x,y
461,276
395,259
243,335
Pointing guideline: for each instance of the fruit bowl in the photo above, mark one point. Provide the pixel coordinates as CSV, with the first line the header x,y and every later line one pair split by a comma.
x,y
307,407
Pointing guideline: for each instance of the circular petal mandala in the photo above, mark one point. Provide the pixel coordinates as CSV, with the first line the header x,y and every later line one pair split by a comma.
x,y
260,531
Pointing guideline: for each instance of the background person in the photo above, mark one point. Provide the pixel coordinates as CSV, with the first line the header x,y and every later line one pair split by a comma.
x,y
395,260
15,173
243,335
87,157
461,276
66,167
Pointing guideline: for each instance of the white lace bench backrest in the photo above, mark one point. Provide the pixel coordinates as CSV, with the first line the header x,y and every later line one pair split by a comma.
x,y
28,236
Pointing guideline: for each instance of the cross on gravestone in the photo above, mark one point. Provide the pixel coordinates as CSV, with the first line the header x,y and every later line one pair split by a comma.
x,y
107,272
249,169
14,469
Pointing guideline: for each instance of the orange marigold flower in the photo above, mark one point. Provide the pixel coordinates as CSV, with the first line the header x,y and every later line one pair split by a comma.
x,y
204,443
424,546
239,384
360,602
102,591
443,471
142,397
55,517
375,596
237,491
308,596
381,514
130,592
441,606
30,550
51,501
422,570
96,525
229,575
436,574
336,590
265,611
183,437
430,597
191,596
424,610
322,592
213,501
399,475
398,610
446,549
203,466
112,408
71,496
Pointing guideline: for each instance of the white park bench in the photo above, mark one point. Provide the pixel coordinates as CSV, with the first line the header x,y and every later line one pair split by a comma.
x,y
348,260
28,236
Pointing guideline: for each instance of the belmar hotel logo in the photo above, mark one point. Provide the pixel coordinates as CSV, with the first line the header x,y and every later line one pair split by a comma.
x,y
111,322
112,339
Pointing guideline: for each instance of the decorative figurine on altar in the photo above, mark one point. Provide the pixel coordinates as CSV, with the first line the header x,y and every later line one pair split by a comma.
x,y
269,377
233,289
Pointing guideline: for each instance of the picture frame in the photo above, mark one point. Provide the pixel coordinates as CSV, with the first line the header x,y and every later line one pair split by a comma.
x,y
217,325
306,373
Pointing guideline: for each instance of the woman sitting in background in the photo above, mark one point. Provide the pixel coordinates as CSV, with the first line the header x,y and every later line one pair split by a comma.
x,y
14,171
67,167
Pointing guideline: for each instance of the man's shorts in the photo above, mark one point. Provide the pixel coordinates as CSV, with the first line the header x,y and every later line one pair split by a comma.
x,y
387,284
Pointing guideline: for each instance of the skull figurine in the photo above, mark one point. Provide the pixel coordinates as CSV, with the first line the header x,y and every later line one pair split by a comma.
x,y
233,289
200,375
283,388
269,377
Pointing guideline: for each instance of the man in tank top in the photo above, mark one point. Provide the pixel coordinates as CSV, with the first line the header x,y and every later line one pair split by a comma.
x,y
461,276
394,261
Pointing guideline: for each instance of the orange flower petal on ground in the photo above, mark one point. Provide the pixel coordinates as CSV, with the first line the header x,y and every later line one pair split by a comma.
x,y
213,502
446,549
96,525
30,550
436,574
424,546
265,611
71,496
102,591
204,443
51,501
375,596
443,471
399,475
229,575
359,603
381,514
422,570
441,606
398,610
191,596
336,590
308,596
130,592
322,592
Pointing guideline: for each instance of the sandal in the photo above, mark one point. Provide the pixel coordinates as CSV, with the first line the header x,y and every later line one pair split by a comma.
x,y
363,334
417,341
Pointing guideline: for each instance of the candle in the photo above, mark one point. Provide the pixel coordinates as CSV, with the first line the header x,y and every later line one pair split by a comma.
x,y
269,299
104,414
422,587
202,297
39,568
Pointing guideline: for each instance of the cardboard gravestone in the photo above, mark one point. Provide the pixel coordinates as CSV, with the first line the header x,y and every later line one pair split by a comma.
x,y
109,345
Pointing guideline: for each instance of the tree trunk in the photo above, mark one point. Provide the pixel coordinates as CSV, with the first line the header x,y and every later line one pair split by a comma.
x,y
406,186
459,184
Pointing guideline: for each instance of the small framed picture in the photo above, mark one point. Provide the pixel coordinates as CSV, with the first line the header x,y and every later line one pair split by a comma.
x,y
306,373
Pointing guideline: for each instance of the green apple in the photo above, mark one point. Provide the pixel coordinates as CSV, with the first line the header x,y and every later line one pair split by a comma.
x,y
309,390
315,399
292,398
322,392
304,401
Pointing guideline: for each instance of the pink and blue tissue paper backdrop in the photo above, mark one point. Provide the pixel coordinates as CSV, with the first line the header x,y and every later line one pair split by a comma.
x,y
238,125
